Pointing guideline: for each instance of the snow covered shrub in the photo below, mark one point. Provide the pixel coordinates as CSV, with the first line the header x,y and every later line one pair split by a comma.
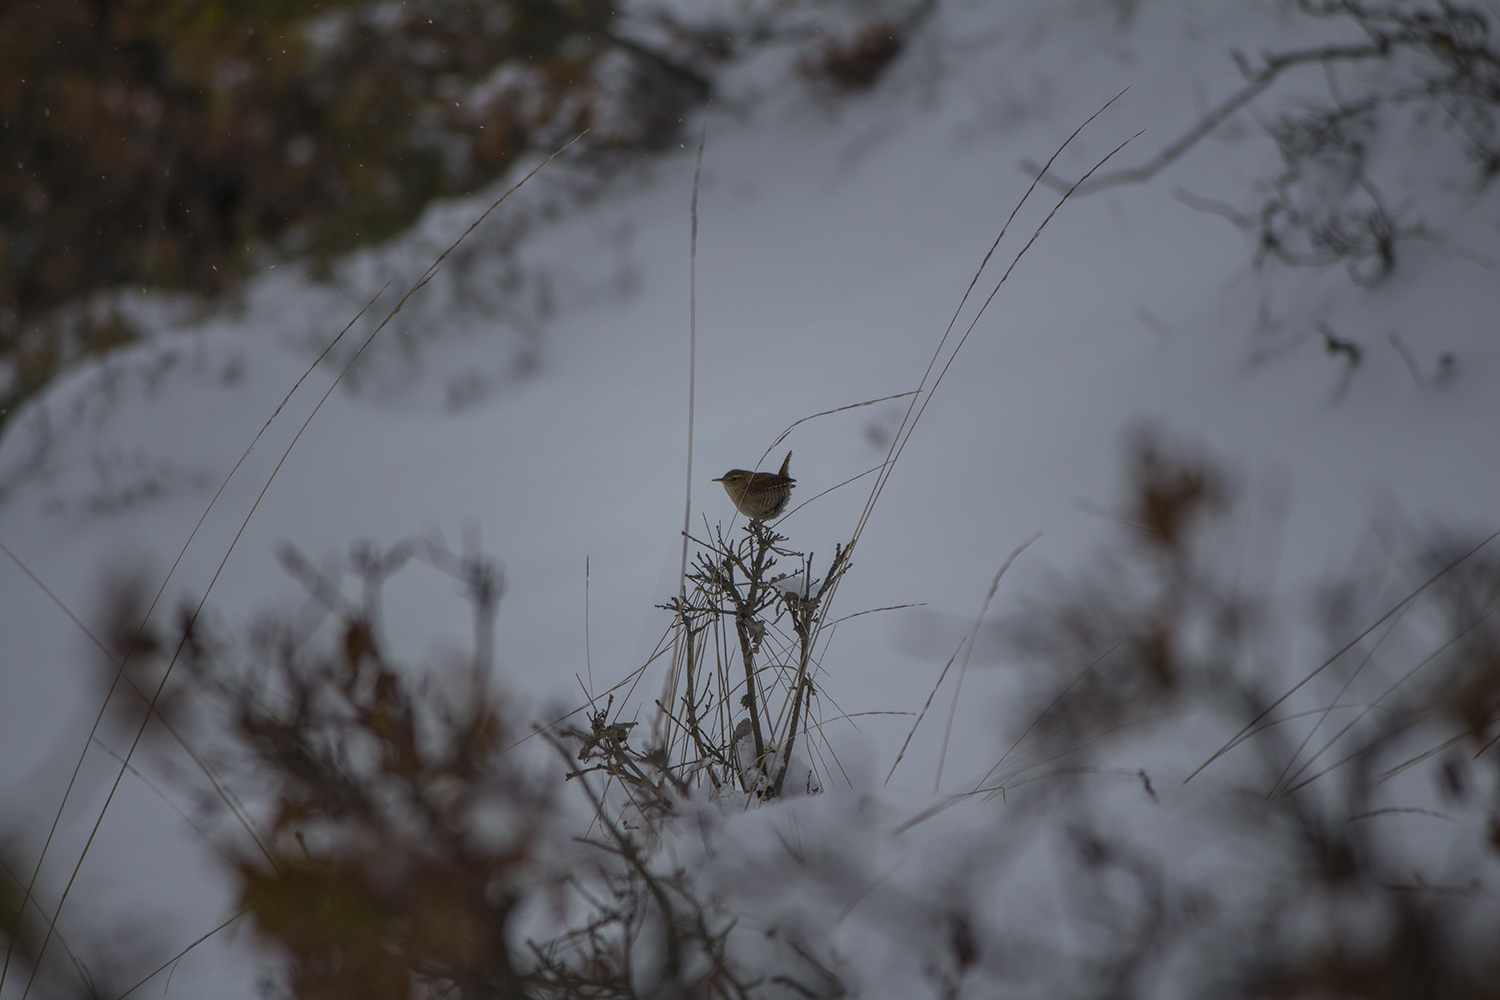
x,y
394,838
1307,832
1180,812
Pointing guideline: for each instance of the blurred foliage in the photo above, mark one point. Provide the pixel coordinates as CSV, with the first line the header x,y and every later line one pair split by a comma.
x,y
172,143
1165,632
391,838
379,868
410,854
400,834
854,62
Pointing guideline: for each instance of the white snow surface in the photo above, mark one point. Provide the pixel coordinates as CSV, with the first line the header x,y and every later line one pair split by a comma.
x,y
536,393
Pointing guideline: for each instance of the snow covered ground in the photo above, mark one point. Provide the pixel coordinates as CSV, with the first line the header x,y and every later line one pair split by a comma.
x,y
536,392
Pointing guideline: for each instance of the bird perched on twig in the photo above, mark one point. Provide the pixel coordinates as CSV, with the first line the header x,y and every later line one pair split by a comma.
x,y
760,496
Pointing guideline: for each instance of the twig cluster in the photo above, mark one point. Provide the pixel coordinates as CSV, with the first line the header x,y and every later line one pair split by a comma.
x,y
1324,207
740,691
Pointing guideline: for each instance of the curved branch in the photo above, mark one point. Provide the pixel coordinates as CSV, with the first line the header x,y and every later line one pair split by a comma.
x,y
1274,66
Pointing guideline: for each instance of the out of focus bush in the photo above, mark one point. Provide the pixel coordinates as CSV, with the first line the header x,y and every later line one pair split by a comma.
x,y
171,144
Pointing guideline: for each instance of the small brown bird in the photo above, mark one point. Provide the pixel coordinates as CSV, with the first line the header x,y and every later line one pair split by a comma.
x,y
760,496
